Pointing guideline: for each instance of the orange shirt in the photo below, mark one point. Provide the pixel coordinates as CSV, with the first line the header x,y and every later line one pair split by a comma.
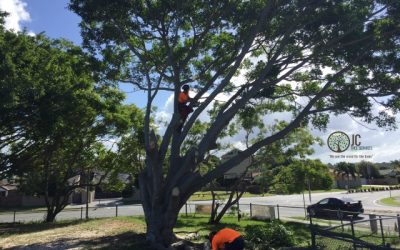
x,y
183,97
223,236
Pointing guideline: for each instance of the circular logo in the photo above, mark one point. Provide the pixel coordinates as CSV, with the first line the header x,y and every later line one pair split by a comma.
x,y
338,142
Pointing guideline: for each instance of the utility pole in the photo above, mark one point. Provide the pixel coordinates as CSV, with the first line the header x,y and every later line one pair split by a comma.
x,y
309,188
87,195
304,204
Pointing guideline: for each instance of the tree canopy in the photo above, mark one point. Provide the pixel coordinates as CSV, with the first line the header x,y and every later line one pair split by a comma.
x,y
55,117
305,59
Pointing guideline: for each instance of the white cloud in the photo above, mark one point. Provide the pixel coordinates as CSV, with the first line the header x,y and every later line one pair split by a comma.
x,y
17,14
385,144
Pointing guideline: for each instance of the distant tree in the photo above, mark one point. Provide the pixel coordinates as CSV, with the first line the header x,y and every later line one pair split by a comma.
x,y
270,160
130,155
396,166
345,169
368,170
296,176
55,117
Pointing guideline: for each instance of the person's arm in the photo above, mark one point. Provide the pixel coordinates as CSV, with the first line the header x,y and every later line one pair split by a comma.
x,y
214,245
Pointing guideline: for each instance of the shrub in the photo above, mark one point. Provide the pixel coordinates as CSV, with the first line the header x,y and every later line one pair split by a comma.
x,y
272,235
254,189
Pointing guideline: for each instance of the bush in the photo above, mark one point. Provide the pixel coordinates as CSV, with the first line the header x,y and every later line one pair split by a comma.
x,y
272,235
254,189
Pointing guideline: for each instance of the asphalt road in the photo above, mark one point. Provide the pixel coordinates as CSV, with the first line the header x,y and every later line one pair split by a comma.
x,y
290,206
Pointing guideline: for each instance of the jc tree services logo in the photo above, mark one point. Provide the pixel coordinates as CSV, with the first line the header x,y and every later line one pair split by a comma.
x,y
339,142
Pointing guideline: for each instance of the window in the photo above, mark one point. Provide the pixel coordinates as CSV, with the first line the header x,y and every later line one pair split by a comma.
x,y
323,202
335,202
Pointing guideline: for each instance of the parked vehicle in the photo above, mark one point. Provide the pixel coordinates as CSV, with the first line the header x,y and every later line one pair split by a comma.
x,y
335,207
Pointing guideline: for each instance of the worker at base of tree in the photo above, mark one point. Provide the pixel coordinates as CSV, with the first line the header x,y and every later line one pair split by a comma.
x,y
226,239
183,108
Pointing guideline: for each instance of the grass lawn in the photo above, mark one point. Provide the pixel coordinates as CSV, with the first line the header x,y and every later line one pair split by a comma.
x,y
21,209
117,233
222,195
326,191
390,201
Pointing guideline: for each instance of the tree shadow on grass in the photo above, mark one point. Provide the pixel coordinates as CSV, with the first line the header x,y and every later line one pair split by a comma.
x,y
127,240
19,228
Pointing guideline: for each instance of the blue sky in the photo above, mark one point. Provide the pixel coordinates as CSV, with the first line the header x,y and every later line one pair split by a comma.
x,y
53,18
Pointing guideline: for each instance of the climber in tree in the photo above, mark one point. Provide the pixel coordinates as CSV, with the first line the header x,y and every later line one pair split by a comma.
x,y
183,108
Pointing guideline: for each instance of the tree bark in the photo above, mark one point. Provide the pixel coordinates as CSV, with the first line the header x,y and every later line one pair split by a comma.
x,y
161,212
50,216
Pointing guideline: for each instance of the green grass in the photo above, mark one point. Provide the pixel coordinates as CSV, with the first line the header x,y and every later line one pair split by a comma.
x,y
326,191
390,201
22,209
222,195
129,233
120,232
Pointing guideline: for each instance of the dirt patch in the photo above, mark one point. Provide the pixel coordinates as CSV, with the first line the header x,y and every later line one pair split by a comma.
x,y
73,236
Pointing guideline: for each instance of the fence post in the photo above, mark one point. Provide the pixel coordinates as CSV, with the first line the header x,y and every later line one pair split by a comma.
x,y
116,210
81,213
313,241
353,234
277,208
373,223
14,216
251,211
341,219
383,236
186,209
398,224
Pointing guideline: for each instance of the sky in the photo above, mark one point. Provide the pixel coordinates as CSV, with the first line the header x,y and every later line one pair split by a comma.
x,y
53,18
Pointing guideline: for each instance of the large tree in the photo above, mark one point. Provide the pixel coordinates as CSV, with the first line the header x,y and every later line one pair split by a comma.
x,y
300,175
55,117
367,170
345,169
306,58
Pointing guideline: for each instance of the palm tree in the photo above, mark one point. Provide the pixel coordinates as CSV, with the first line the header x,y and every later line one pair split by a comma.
x,y
345,169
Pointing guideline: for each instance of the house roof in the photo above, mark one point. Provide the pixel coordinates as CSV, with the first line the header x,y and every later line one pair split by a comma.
x,y
387,172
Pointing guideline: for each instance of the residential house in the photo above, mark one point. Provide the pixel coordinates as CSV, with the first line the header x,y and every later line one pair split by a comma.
x,y
238,170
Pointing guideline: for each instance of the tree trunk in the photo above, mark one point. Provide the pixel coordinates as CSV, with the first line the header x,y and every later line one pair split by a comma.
x,y
214,208
161,212
50,216
216,219
54,207
160,226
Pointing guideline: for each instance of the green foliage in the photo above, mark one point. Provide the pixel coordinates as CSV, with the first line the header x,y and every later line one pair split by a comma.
x,y
270,236
294,177
298,60
345,169
286,159
368,170
54,118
